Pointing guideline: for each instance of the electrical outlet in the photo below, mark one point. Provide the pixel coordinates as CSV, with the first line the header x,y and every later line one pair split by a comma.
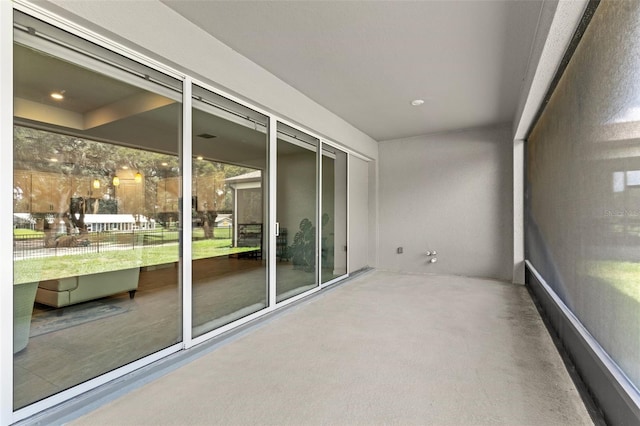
x,y
399,250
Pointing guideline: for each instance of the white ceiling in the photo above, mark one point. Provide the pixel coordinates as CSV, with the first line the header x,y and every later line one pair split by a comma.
x,y
366,61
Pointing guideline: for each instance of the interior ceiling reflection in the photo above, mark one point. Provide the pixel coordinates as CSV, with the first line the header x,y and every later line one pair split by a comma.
x,y
151,123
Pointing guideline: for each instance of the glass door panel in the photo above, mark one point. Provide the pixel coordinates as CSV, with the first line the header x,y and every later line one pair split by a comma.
x,y
333,234
96,245
228,211
296,212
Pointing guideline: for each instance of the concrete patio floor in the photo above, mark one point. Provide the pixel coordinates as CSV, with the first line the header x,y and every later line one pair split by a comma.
x,y
383,348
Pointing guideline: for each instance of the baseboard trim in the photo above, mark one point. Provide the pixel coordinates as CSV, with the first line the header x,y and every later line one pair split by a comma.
x,y
610,388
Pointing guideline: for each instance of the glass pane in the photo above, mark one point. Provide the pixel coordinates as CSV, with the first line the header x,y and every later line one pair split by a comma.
x,y
228,211
333,258
296,213
96,217
583,184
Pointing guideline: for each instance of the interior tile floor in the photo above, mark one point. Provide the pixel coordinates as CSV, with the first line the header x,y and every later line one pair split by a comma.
x,y
383,348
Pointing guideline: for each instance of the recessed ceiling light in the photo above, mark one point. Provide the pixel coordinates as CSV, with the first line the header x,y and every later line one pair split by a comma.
x,y
417,102
58,96
125,167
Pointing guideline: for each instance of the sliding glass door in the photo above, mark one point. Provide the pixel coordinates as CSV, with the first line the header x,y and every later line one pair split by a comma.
x,y
296,212
333,235
102,228
96,217
229,198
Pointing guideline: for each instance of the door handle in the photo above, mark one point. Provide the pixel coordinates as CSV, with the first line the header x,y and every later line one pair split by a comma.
x,y
277,229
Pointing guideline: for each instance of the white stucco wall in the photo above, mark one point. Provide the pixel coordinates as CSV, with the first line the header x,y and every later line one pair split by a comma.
x,y
449,192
